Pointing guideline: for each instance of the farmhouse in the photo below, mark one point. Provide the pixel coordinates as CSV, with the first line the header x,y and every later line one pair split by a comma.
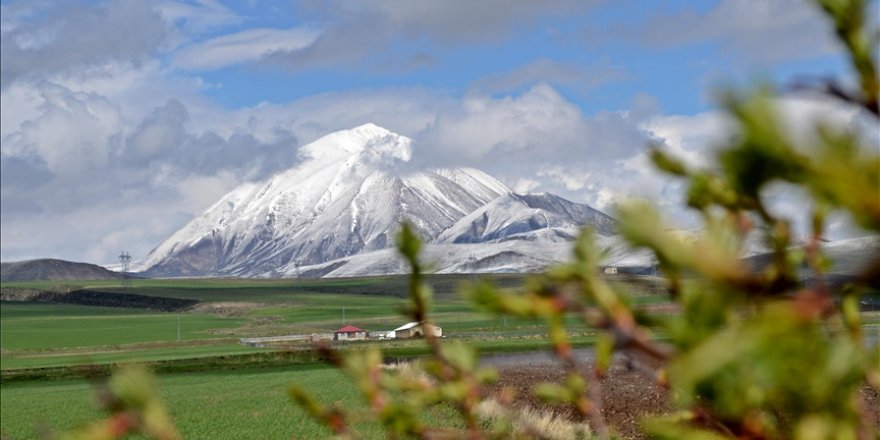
x,y
415,330
350,333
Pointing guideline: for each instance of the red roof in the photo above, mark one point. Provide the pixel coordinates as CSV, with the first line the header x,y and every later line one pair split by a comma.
x,y
349,329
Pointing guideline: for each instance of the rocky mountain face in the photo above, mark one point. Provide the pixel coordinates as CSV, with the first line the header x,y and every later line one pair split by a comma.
x,y
347,197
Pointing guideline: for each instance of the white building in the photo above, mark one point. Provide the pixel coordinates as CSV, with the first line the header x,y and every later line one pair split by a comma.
x,y
415,330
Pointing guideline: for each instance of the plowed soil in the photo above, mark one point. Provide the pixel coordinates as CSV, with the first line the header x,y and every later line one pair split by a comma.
x,y
628,396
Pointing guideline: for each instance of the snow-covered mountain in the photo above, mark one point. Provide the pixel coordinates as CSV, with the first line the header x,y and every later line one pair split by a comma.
x,y
541,217
347,197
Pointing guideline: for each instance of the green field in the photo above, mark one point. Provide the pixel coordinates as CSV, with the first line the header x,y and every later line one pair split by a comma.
x,y
214,386
225,405
124,354
210,382
51,335
272,290
59,326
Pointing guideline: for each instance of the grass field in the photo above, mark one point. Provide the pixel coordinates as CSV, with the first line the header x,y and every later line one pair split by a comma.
x,y
124,354
24,327
272,290
210,382
50,335
227,398
225,405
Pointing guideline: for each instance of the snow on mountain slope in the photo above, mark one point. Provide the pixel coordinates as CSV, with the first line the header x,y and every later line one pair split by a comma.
x,y
510,256
519,256
542,217
852,256
343,198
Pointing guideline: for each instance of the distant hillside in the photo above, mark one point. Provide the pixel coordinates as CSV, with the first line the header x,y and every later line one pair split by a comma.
x,y
50,269
849,257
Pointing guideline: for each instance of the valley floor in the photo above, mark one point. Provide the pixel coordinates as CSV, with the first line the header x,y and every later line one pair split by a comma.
x,y
217,388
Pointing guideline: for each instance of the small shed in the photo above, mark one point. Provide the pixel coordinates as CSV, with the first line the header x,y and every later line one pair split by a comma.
x,y
610,270
350,333
416,330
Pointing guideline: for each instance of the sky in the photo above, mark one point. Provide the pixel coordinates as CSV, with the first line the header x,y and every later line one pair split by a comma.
x,y
121,120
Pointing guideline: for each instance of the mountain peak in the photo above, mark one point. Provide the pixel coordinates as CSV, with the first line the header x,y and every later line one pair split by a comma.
x,y
372,129
375,143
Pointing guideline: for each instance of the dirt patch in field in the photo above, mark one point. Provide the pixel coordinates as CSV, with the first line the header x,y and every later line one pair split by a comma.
x,y
628,396
227,309
871,400
120,348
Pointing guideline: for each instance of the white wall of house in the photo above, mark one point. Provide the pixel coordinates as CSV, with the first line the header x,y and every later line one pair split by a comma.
x,y
353,336
416,331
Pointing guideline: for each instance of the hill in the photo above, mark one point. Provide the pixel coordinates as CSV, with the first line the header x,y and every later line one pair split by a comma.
x,y
48,269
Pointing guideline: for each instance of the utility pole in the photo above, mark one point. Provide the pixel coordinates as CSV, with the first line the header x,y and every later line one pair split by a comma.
x,y
125,261
343,315
178,327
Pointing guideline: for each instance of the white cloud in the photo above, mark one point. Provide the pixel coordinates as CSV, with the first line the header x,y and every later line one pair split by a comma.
x,y
800,113
367,32
72,134
571,179
113,139
553,72
158,135
535,123
206,190
464,20
247,45
52,40
525,185
407,111
198,16
696,138
25,100
763,31
691,138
